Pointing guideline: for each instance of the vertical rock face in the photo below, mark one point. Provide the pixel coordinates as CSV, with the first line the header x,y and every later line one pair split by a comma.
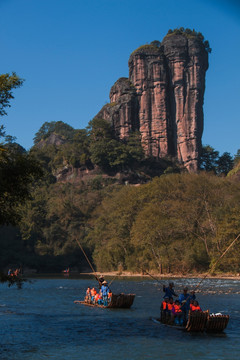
x,y
123,109
147,72
187,62
163,99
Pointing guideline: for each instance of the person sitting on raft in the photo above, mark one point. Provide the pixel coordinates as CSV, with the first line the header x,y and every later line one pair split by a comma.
x,y
169,307
195,306
169,291
93,293
184,300
109,296
177,313
16,272
105,291
98,299
10,272
88,294
164,309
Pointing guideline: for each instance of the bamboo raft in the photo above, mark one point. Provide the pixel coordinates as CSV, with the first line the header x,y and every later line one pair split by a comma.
x,y
201,322
118,301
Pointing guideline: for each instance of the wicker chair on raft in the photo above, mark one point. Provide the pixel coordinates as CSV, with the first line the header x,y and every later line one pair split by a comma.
x,y
203,321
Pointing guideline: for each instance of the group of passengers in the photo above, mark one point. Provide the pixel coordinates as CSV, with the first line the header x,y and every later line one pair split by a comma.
x,y
12,272
103,297
175,312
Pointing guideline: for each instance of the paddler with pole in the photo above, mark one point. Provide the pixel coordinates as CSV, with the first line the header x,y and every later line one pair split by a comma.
x,y
101,280
126,300
185,300
169,291
105,291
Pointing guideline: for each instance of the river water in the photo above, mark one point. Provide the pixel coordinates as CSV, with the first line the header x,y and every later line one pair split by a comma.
x,y
41,321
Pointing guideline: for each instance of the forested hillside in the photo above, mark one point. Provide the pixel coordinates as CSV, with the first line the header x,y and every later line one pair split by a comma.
x,y
174,222
129,212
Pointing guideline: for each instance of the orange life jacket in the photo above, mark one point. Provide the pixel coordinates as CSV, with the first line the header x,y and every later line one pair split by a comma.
x,y
109,295
177,308
195,308
93,292
164,305
97,297
170,306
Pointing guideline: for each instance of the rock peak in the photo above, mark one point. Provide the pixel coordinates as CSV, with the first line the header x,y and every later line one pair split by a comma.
x,y
163,97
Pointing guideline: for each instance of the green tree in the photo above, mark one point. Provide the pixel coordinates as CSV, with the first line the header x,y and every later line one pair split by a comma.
x,y
237,157
17,174
156,43
154,232
110,153
18,170
178,222
224,163
104,148
75,153
208,159
100,129
7,84
57,127
134,148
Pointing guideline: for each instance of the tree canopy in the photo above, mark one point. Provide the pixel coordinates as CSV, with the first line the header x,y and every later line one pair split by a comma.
x,y
210,160
7,84
57,127
18,170
190,34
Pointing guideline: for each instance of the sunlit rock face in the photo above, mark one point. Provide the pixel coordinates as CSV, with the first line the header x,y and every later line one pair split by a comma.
x,y
52,139
163,99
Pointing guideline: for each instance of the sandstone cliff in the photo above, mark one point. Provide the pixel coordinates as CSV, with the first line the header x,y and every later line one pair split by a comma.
x,y
163,98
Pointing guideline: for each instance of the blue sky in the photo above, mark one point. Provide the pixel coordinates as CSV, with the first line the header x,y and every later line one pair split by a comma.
x,y
70,53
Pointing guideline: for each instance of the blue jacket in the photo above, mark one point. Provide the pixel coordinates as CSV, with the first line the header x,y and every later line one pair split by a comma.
x,y
187,297
104,290
168,292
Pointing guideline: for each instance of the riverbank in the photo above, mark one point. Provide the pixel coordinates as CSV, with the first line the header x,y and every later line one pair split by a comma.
x,y
165,276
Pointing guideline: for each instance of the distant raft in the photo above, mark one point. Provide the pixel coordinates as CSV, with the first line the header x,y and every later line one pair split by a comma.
x,y
202,322
118,301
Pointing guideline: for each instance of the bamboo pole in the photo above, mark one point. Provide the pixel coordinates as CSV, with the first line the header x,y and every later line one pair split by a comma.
x,y
95,274
112,280
149,274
